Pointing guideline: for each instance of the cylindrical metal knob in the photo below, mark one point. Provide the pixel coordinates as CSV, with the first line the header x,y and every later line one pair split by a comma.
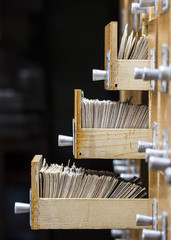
x,y
21,208
128,176
136,9
64,141
164,73
138,73
148,234
143,220
159,164
154,152
120,238
121,162
147,3
150,74
99,75
142,146
116,233
121,169
167,173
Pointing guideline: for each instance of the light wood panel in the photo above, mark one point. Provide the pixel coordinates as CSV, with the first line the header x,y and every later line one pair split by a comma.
x,y
125,75
137,96
109,143
144,23
163,118
153,98
135,234
105,143
163,98
111,39
82,213
90,213
35,168
151,13
152,118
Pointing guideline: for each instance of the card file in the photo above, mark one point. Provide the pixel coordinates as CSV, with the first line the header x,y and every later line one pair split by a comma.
x,y
109,114
57,181
133,46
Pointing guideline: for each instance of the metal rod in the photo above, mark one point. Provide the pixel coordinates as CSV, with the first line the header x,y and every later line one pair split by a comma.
x,y
136,9
147,3
142,146
64,141
21,208
148,234
99,75
143,220
158,163
154,152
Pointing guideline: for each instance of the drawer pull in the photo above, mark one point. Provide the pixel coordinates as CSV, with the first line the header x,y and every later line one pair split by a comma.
x,y
99,75
148,234
143,220
147,3
21,208
137,9
155,153
168,175
142,146
138,73
158,163
64,141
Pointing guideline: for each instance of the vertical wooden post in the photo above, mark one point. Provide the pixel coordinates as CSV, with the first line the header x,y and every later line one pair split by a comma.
x,y
111,39
77,116
36,164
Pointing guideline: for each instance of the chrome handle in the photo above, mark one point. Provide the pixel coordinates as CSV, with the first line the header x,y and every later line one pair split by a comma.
x,y
167,173
142,146
64,141
116,233
128,176
158,163
99,75
147,3
146,73
138,73
137,9
150,74
148,234
143,220
120,162
121,169
21,208
164,73
154,152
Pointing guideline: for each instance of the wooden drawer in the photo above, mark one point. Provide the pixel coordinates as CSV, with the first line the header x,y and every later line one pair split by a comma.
x,y
105,143
121,71
53,213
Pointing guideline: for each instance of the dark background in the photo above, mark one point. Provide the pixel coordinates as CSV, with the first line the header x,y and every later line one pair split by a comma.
x,y
47,49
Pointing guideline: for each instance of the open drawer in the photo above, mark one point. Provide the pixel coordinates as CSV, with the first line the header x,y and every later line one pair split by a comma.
x,y
120,73
101,213
106,143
